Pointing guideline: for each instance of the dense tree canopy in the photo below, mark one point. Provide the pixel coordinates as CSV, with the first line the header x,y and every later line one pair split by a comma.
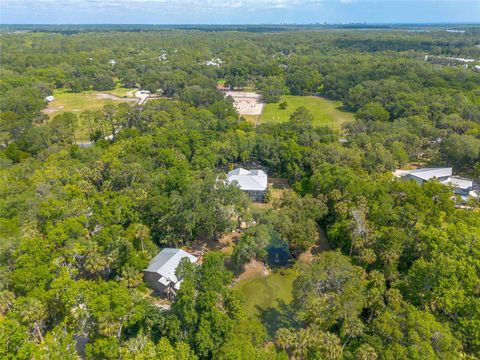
x,y
78,224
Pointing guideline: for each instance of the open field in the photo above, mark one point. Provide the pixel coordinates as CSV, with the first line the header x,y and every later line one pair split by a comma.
x,y
269,297
326,112
87,100
122,92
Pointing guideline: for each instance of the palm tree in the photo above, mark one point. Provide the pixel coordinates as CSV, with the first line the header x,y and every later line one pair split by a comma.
x,y
34,312
284,338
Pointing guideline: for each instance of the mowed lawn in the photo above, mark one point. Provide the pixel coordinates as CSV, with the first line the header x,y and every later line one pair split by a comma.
x,y
87,100
269,297
123,92
325,112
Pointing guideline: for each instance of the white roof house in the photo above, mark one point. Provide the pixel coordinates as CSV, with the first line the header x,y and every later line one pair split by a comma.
x,y
214,62
162,267
248,180
459,183
461,186
49,98
421,175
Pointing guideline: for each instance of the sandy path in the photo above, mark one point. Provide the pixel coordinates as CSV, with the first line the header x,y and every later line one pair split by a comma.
x,y
52,109
114,97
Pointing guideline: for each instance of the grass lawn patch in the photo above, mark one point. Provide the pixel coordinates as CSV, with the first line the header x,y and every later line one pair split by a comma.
x,y
87,100
325,112
269,297
79,102
122,92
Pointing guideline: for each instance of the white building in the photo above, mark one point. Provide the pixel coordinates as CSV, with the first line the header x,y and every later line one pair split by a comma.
x,y
461,186
253,182
49,98
160,274
425,174
214,62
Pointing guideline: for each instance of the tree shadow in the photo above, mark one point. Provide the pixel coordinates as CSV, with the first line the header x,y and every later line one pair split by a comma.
x,y
344,108
274,318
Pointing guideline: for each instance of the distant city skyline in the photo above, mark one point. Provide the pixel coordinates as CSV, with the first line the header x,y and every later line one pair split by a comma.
x,y
237,11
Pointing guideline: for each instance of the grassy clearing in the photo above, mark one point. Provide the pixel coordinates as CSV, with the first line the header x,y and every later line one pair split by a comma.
x,y
78,102
75,102
325,112
122,92
269,297
87,100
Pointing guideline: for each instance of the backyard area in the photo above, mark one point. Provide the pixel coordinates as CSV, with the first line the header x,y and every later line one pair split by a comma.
x,y
325,112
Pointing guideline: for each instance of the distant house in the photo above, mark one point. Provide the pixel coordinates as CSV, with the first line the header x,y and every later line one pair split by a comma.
x,y
253,182
425,174
461,186
160,274
49,98
112,62
214,62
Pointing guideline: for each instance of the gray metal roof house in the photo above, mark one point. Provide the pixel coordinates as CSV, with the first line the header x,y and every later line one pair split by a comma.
x,y
160,274
425,174
253,182
461,186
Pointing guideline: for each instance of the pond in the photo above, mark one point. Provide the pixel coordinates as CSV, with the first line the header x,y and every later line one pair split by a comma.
x,y
269,298
278,253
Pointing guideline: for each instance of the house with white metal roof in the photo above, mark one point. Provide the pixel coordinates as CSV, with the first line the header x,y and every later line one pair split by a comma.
x,y
160,274
425,174
253,182
461,186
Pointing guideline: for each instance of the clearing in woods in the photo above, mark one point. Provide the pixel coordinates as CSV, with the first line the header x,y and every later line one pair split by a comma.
x,y
325,112
86,100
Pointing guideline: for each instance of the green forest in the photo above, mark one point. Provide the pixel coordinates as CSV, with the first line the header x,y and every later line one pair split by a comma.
x,y
398,275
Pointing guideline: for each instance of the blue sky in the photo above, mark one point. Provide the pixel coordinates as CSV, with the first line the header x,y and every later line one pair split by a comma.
x,y
236,11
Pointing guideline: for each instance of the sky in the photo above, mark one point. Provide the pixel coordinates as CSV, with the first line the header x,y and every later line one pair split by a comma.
x,y
237,11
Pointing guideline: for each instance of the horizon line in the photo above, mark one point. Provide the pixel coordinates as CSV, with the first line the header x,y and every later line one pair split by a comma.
x,y
256,24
